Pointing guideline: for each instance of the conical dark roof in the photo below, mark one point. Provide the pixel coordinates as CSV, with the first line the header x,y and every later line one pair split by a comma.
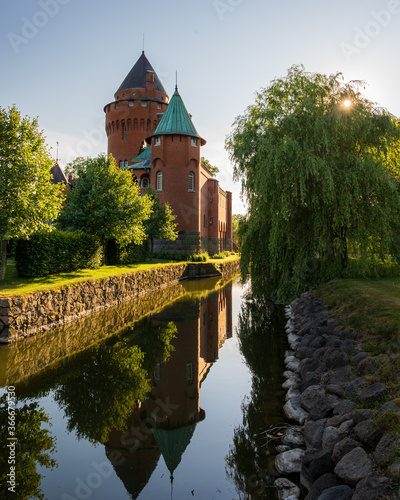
x,y
58,174
136,78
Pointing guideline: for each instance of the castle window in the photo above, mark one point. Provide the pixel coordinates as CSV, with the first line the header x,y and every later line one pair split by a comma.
x,y
158,106
194,141
123,132
211,220
211,197
116,105
121,163
191,181
133,93
157,141
123,95
126,163
189,373
144,104
159,181
145,182
131,104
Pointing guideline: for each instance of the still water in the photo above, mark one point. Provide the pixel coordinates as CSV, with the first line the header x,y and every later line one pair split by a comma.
x,y
168,404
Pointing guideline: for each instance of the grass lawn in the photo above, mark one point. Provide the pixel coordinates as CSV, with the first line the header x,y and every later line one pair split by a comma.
x,y
372,308
12,285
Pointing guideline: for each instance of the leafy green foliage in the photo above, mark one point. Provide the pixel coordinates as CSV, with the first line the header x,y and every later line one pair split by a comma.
x,y
127,254
212,168
28,198
104,202
238,229
160,224
320,178
57,252
33,446
199,257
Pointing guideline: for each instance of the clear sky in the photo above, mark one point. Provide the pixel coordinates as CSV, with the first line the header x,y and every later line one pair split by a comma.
x,y
62,60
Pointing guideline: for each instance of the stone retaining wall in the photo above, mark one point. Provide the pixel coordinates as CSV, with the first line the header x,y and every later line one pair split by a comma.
x,y
21,316
335,445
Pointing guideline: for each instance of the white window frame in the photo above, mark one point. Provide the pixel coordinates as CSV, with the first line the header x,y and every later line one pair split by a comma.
x,y
157,141
191,182
144,104
194,142
159,181
121,163
158,106
126,163
131,104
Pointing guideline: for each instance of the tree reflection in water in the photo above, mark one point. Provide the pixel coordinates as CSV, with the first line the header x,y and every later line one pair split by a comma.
x,y
103,384
262,342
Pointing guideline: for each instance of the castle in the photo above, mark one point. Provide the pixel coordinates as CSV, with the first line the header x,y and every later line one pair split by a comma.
x,y
155,139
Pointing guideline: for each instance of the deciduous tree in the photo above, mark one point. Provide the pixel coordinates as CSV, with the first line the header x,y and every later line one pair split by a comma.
x,y
319,165
28,200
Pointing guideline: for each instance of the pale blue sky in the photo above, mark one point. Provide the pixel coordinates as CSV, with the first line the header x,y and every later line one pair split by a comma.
x,y
62,60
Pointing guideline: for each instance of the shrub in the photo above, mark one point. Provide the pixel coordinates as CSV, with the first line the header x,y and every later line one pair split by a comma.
x,y
57,252
131,254
222,255
199,257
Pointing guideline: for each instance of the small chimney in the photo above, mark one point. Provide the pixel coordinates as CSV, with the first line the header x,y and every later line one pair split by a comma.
x,y
70,177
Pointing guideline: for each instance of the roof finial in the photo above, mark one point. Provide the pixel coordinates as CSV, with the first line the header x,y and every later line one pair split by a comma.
x,y
176,80
57,153
143,43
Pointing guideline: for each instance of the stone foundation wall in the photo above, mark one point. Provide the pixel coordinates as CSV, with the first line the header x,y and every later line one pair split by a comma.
x,y
22,316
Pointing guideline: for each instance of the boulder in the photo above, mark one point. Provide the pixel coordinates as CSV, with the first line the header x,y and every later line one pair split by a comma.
x,y
353,387
386,449
372,393
345,428
286,489
293,436
293,392
294,411
353,467
343,447
319,404
315,463
373,488
366,367
342,492
394,472
289,462
313,432
360,415
335,389
321,484
344,407
357,358
368,434
330,437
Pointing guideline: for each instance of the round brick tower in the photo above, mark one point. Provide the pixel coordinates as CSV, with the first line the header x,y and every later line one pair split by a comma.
x,y
134,114
176,172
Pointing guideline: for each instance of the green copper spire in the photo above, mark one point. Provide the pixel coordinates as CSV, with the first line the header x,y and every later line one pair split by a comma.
x,y
176,120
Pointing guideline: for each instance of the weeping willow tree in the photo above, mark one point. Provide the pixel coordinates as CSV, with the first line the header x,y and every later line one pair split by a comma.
x,y
319,167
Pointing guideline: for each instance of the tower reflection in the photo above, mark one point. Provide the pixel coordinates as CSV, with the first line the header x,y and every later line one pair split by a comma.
x,y
164,423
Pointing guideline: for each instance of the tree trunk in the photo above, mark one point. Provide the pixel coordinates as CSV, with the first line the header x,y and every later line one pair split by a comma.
x,y
344,254
3,259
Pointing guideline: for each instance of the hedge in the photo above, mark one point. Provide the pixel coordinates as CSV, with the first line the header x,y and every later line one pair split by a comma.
x,y
131,254
54,252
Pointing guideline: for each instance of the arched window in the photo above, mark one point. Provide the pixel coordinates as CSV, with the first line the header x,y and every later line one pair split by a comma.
x,y
191,181
142,124
121,163
123,131
135,124
159,181
145,182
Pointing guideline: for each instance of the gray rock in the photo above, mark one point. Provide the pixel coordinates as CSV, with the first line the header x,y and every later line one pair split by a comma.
x,y
286,489
294,340
292,381
293,365
293,392
294,411
368,434
357,358
373,488
333,341
319,404
321,484
280,448
330,437
335,359
335,389
313,432
353,467
394,471
342,492
366,367
289,462
344,407
288,374
336,420
293,436
372,393
386,449
340,376
388,407
315,463
305,352
345,428
343,447
360,415
353,387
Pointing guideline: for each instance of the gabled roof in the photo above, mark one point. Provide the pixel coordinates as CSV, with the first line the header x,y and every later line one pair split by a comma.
x,y
176,120
136,78
144,155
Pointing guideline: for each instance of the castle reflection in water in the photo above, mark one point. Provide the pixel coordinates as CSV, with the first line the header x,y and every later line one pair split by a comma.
x,y
164,423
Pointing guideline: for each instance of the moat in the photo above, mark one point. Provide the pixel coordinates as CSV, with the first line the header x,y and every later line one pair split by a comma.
x,y
170,404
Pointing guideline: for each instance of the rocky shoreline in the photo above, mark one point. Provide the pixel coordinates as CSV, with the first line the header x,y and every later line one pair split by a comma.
x,y
334,450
